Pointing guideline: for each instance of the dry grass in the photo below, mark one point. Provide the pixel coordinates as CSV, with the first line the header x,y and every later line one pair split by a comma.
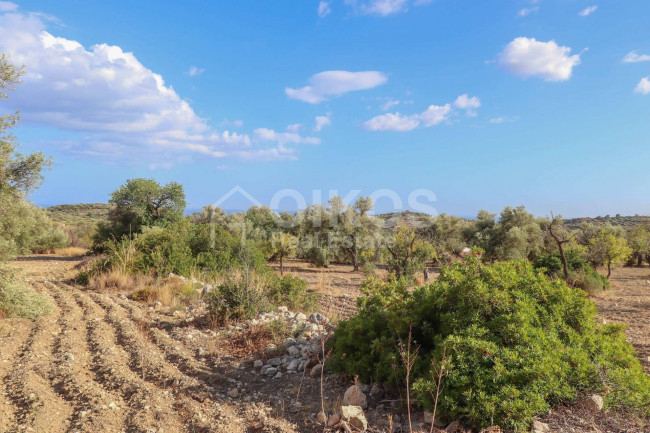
x,y
116,280
70,252
170,292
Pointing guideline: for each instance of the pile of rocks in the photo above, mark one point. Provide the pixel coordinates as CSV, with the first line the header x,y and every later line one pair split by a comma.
x,y
300,353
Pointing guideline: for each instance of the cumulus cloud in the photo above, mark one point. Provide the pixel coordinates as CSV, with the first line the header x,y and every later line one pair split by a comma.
x,y
328,84
588,11
7,6
643,87
392,122
324,9
114,105
634,57
322,122
528,57
433,115
468,104
195,71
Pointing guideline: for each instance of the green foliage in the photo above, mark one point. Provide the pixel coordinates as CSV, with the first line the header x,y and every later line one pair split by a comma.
x,y
291,291
17,299
239,297
22,227
141,203
517,343
26,229
244,295
581,273
407,253
608,247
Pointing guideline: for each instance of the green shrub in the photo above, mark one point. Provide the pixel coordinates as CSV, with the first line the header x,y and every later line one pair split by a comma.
x,y
18,299
318,256
517,343
581,273
243,296
239,297
291,291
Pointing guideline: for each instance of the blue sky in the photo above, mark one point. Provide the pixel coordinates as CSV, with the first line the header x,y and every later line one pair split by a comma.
x,y
486,104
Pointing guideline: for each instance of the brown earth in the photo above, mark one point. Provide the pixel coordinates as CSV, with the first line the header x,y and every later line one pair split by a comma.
x,y
103,363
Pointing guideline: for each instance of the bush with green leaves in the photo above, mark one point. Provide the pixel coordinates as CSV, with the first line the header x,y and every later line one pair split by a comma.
x,y
291,291
18,299
244,295
581,273
517,343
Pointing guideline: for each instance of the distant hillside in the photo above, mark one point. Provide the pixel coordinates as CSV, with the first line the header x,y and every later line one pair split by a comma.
x,y
78,213
412,219
627,222
415,219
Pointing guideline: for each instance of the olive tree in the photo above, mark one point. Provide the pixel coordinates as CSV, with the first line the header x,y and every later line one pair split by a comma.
x,y
145,203
22,227
608,248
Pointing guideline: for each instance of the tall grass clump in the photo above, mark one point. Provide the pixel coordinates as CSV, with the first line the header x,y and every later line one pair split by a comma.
x,y
516,342
18,299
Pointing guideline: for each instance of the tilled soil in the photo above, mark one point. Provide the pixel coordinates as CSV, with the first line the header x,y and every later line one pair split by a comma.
x,y
97,365
103,363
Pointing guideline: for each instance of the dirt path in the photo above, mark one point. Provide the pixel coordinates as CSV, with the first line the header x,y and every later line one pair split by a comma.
x,y
96,364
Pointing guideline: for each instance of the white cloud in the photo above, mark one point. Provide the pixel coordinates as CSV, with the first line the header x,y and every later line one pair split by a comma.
x,y
634,57
392,122
528,57
6,6
433,115
383,8
588,11
294,127
468,104
502,119
527,11
389,104
327,84
324,9
114,105
322,122
643,87
282,138
194,71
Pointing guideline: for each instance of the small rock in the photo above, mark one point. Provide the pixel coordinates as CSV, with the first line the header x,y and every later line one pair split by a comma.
x,y
300,317
595,402
333,420
258,363
355,397
540,427
293,351
321,418
428,417
274,362
315,370
355,417
233,393
318,318
112,405
271,371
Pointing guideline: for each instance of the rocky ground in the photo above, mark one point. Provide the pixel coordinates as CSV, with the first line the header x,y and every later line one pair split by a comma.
x,y
103,363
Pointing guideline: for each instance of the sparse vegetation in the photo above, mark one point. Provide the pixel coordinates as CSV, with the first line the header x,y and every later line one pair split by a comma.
x,y
19,299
